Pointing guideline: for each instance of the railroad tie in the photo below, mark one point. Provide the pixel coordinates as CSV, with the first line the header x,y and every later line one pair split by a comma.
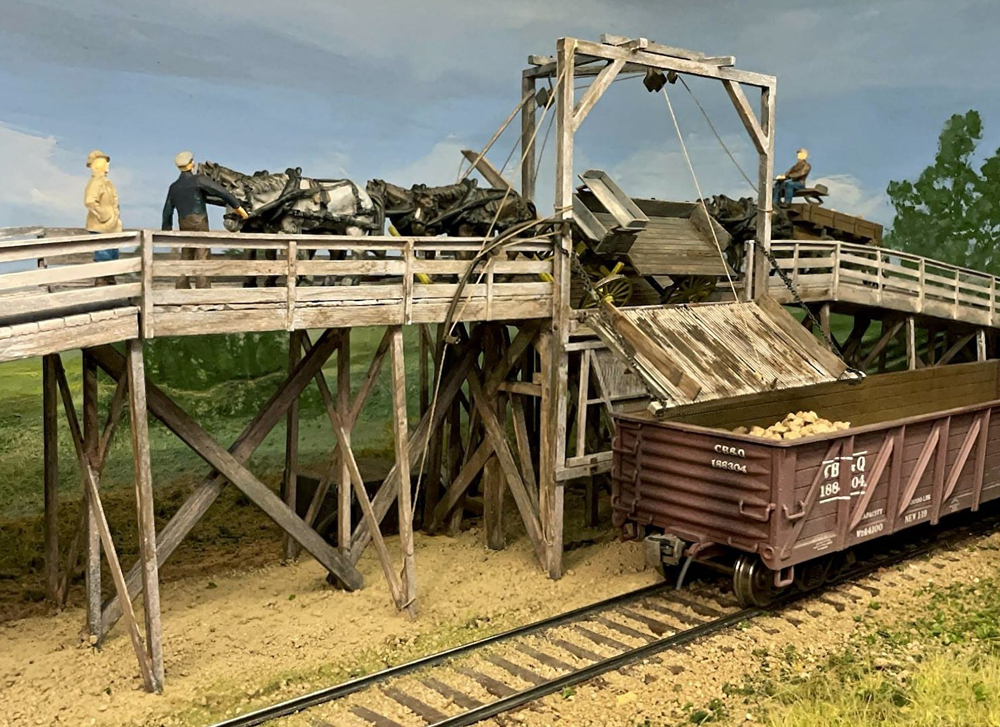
x,y
869,589
699,608
656,626
578,651
494,686
602,639
684,618
542,658
830,602
373,717
417,706
461,699
516,670
623,629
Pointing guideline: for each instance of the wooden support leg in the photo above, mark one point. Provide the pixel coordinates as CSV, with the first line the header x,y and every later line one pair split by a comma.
x,y
553,418
401,437
911,344
981,345
292,443
144,503
493,484
93,558
90,482
456,461
205,494
50,424
344,482
590,502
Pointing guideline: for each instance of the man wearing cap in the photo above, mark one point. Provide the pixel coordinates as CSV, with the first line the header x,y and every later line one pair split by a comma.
x,y
101,200
189,195
794,179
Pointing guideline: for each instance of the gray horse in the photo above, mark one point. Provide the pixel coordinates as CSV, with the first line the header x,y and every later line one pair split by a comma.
x,y
289,203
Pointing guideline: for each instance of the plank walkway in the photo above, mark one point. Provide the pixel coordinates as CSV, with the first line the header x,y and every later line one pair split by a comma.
x,y
52,298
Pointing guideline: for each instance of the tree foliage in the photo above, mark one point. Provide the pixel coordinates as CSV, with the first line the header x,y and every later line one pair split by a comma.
x,y
952,211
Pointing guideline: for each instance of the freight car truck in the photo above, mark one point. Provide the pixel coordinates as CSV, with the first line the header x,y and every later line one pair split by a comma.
x,y
922,445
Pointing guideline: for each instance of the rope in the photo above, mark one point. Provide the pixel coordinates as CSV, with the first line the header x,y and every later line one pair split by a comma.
x,y
717,136
484,251
697,187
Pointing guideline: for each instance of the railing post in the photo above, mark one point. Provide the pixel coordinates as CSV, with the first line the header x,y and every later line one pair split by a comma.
x,y
835,291
408,282
292,252
993,297
921,271
795,264
958,283
146,306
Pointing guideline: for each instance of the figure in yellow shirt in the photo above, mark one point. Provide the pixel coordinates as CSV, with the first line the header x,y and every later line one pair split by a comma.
x,y
101,200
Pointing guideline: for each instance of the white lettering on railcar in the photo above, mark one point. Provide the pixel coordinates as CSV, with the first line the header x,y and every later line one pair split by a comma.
x,y
921,499
721,464
873,513
730,451
869,530
912,517
831,470
824,544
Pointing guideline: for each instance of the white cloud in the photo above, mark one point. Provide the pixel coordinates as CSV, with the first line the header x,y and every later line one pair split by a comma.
x,y
849,195
663,173
437,167
37,180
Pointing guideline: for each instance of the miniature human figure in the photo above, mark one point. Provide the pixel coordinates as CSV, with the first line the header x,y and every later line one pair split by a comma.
x,y
794,179
188,196
101,200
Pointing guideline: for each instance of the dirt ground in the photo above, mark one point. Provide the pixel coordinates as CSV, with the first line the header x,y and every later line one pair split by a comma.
x,y
236,640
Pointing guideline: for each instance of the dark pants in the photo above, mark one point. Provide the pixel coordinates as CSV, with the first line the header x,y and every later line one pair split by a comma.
x,y
193,223
784,190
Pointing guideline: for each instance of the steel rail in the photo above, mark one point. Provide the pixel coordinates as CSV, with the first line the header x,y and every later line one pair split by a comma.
x,y
330,694
931,542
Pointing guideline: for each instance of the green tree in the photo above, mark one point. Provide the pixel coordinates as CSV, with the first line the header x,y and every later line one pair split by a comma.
x,y
952,211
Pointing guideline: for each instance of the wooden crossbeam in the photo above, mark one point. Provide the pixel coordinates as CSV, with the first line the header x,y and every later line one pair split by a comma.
x,y
111,554
454,379
597,88
460,484
527,504
881,344
194,508
955,348
490,173
747,116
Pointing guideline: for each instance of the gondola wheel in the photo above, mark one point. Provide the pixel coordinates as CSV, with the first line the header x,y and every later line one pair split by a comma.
x,y
690,289
616,287
753,582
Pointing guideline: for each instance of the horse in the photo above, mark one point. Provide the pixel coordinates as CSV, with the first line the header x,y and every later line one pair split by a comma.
x,y
291,204
460,210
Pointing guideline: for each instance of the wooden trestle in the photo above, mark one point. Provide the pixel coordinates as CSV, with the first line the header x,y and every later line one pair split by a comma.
x,y
516,390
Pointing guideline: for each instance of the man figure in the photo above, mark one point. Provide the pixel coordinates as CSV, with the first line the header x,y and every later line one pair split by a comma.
x,y
188,196
794,179
101,200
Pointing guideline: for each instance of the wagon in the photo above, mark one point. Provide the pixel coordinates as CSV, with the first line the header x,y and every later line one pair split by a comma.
x,y
923,444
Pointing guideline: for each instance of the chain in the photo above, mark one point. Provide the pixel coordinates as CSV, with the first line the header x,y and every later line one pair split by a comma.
x,y
830,343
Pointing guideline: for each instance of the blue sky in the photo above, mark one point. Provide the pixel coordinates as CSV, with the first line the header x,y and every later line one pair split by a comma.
x,y
392,89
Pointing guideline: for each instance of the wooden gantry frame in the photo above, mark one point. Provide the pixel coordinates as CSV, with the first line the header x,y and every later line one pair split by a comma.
x,y
604,61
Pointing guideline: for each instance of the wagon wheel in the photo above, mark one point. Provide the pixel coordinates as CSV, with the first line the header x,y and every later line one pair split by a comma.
x,y
616,287
690,289
753,582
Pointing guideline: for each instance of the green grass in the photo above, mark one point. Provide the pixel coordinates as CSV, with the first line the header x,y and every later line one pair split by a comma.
x,y
942,667
223,410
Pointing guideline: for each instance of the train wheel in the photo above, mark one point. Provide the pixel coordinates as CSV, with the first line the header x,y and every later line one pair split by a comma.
x,y
689,289
753,582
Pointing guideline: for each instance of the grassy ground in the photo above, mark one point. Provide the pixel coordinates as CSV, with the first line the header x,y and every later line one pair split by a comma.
x,y
941,666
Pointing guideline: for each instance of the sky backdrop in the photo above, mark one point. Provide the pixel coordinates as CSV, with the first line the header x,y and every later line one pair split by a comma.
x,y
393,89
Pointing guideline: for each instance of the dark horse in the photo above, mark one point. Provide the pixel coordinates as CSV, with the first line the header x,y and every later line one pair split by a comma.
x,y
460,210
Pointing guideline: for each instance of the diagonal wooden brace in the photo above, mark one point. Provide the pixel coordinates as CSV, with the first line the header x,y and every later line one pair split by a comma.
x,y
195,507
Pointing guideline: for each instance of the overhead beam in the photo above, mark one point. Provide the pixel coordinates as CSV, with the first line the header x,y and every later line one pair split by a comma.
x,y
646,59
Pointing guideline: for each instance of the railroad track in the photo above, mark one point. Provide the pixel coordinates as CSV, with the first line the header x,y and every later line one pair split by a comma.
x,y
498,674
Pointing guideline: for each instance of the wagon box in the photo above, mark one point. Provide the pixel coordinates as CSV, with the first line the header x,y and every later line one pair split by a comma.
x,y
912,460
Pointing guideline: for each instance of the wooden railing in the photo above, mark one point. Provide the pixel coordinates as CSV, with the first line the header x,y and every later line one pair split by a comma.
x,y
265,282
884,278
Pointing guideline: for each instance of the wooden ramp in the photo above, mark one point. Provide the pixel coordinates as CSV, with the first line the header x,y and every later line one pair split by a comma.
x,y
694,353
